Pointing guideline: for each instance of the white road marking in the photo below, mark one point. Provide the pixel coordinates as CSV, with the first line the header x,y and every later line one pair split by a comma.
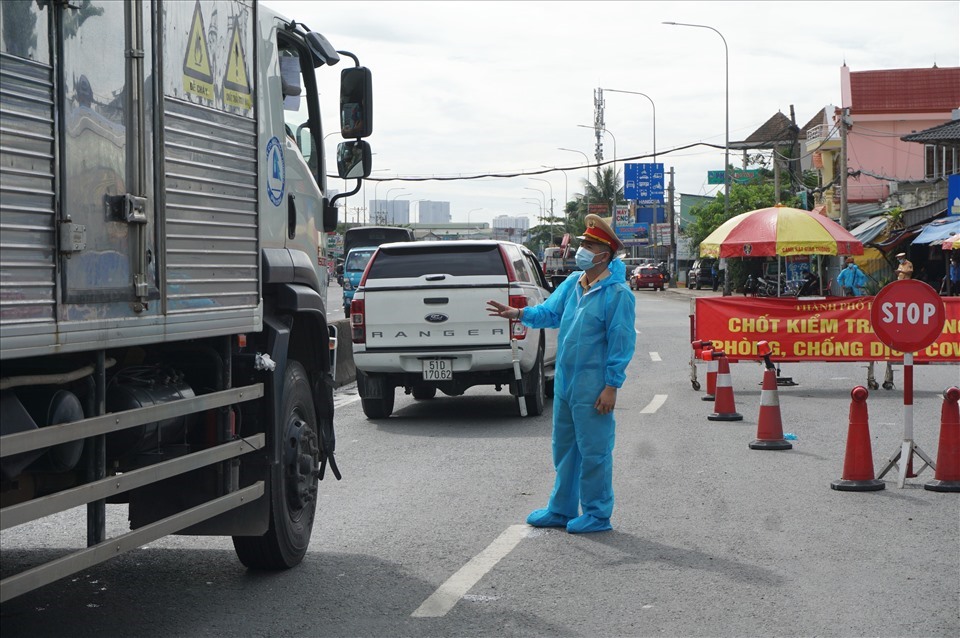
x,y
655,356
450,592
654,405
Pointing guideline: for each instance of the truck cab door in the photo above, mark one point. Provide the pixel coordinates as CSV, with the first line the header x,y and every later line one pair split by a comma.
x,y
296,123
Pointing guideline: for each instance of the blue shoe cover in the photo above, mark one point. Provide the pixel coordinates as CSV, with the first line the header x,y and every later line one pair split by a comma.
x,y
546,518
587,523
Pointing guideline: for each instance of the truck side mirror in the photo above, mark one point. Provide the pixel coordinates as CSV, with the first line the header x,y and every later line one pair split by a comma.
x,y
356,102
353,159
331,215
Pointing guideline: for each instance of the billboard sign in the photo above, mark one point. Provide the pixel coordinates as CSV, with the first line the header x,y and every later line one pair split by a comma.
x,y
953,194
634,234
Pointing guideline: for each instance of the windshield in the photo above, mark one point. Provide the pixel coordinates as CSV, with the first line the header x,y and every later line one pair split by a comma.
x,y
358,259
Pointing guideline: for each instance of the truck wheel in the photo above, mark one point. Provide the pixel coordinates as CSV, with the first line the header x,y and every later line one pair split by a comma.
x,y
424,392
293,482
537,399
379,408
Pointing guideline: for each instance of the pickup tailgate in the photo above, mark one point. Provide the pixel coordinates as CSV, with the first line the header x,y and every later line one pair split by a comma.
x,y
433,298
426,315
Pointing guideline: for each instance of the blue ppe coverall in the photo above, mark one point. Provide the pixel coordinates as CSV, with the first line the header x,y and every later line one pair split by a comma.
x,y
853,278
595,343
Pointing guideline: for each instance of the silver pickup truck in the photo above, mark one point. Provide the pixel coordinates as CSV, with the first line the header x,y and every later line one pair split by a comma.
x,y
419,322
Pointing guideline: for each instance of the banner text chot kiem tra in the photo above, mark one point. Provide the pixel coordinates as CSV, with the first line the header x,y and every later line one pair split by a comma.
x,y
831,329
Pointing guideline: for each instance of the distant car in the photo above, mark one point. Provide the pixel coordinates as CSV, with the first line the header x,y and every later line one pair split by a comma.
x,y
647,276
701,274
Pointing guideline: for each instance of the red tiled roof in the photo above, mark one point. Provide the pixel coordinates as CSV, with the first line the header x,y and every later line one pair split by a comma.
x,y
905,90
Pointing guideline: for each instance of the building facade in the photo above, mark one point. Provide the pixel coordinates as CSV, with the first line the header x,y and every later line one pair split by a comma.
x,y
878,109
429,212
511,228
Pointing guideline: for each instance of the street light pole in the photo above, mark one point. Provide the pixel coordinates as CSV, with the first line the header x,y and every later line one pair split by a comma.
x,y
551,192
387,199
586,159
366,203
543,199
472,210
654,117
726,144
613,197
530,200
566,184
392,208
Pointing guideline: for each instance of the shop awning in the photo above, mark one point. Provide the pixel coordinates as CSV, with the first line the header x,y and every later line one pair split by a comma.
x,y
938,230
870,229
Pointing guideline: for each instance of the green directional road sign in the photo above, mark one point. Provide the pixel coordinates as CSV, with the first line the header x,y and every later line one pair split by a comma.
x,y
741,176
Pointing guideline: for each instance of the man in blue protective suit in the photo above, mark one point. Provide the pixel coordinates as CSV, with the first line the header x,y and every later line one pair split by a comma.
x,y
851,279
595,311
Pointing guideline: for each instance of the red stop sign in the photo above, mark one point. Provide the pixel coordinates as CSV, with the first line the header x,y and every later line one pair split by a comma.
x,y
907,315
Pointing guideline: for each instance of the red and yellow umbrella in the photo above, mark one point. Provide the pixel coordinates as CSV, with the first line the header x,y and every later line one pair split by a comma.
x,y
952,243
779,230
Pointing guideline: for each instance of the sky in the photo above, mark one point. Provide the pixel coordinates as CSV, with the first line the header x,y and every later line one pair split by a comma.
x,y
472,88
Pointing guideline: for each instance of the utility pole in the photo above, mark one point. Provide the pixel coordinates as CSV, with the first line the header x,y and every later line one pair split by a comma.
x,y
598,124
673,236
776,176
844,219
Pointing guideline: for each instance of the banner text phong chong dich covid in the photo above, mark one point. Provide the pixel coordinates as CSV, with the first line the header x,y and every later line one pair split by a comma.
x,y
831,329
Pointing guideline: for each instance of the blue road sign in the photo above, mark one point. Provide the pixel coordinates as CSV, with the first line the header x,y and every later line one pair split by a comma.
x,y
643,182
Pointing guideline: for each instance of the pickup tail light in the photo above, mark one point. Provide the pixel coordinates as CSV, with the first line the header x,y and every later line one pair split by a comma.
x,y
517,329
358,321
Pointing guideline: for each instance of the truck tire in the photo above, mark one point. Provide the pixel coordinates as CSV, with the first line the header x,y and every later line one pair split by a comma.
x,y
379,408
424,392
536,400
293,482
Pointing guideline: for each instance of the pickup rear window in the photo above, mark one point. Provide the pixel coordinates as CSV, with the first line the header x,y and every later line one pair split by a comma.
x,y
402,261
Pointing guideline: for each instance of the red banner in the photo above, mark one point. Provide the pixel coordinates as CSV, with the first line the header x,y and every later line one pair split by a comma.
x,y
831,329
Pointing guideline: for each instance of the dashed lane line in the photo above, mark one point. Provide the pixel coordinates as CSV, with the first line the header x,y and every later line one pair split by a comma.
x,y
450,592
655,356
655,404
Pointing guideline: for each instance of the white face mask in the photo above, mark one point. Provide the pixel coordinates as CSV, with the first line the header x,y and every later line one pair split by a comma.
x,y
584,258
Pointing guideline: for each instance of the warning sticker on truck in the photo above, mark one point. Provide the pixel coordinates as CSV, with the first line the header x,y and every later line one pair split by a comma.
x,y
236,82
197,77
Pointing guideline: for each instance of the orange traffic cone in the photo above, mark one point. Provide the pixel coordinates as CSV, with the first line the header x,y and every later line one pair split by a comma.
x,y
858,463
711,394
769,424
726,409
947,476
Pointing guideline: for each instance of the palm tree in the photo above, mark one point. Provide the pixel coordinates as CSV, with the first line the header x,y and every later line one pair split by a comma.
x,y
605,185
600,191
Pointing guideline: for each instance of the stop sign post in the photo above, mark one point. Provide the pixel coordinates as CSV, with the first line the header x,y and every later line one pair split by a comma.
x,y
907,315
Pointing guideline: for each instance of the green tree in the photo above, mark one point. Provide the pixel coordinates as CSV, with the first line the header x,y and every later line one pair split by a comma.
x,y
743,198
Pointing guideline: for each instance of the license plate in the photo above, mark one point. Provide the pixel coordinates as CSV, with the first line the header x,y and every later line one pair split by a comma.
x,y
437,370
